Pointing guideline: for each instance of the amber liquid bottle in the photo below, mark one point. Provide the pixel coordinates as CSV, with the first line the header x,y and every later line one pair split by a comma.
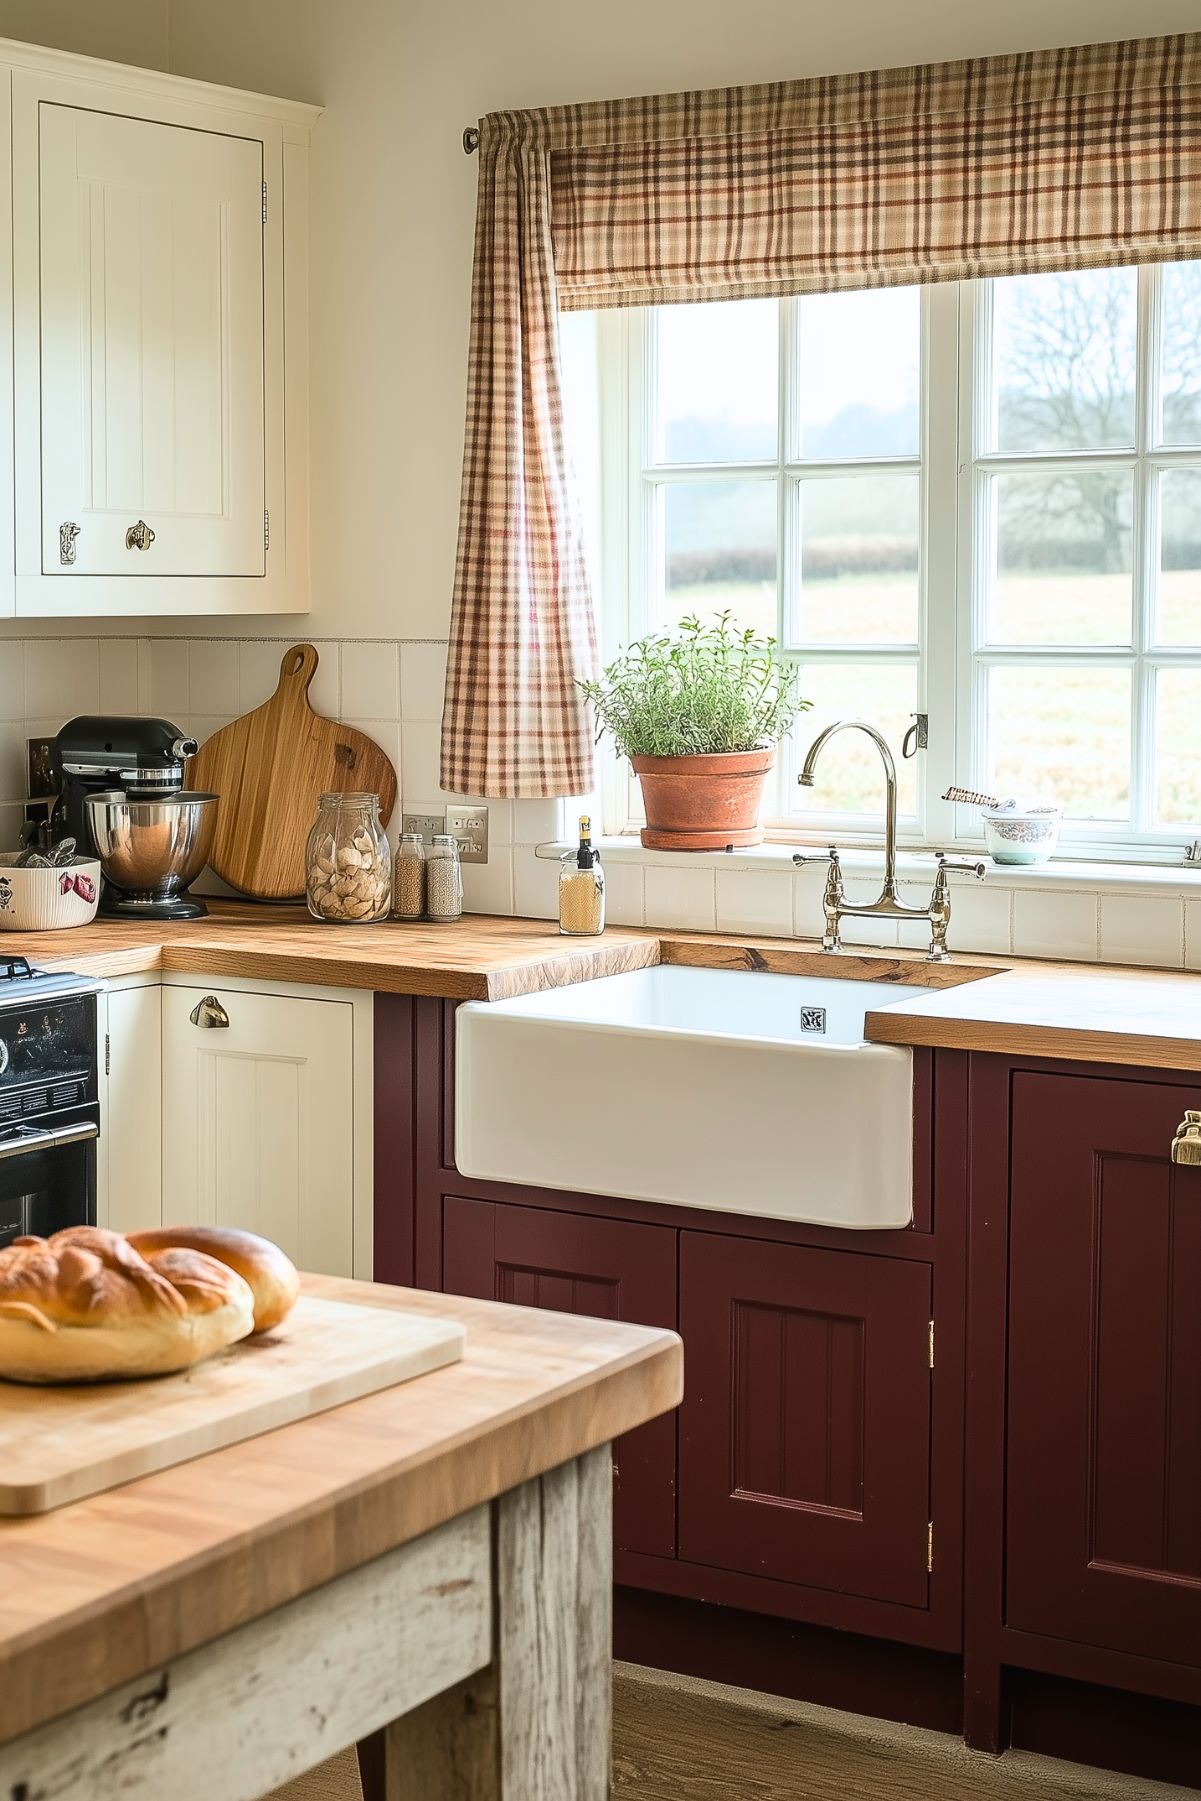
x,y
582,888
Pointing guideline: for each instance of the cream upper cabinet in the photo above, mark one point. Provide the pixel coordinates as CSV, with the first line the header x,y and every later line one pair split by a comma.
x,y
151,330
159,241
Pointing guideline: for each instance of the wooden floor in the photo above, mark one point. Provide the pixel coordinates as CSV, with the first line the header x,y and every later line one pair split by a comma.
x,y
678,1740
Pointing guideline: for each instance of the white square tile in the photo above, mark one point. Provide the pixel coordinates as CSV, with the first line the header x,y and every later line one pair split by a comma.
x,y
168,697
538,822
624,905
1142,928
758,902
1055,924
12,678
422,681
535,885
1192,934
258,671
118,675
325,689
202,726
681,897
371,680
980,917
62,677
500,823
488,887
420,757
213,676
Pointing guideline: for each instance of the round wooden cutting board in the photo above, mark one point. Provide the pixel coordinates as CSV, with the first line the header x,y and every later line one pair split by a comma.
x,y
271,768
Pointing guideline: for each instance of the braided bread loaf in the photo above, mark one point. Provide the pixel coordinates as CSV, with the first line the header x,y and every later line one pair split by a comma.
x,y
87,1305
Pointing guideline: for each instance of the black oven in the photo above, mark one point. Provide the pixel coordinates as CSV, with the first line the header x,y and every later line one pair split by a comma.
x,y
49,1100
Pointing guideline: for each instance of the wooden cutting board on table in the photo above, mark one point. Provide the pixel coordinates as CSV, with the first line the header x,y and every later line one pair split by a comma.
x,y
271,768
58,1444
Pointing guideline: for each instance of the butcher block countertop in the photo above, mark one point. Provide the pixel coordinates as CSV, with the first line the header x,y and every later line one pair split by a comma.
x,y
111,1588
1079,1011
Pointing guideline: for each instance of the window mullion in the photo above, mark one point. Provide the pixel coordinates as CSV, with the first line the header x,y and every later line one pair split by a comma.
x,y
938,628
1145,549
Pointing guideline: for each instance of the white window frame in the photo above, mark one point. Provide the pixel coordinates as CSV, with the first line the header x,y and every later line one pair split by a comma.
x,y
951,653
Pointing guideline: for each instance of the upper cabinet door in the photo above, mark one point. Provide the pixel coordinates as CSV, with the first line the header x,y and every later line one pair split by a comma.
x,y
152,348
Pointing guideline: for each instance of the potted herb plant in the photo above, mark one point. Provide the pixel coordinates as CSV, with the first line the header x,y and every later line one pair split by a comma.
x,y
699,713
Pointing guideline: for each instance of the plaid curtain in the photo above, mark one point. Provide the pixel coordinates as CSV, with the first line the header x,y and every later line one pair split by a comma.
x,y
1055,159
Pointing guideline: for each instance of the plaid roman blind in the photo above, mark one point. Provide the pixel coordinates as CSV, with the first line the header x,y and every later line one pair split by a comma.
x,y
993,166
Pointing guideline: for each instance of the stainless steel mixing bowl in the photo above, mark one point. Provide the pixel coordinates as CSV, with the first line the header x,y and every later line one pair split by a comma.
x,y
152,849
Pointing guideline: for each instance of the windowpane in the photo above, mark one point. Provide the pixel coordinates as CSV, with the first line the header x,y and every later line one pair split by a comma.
x,y
859,560
1063,558
850,776
859,357
1178,747
1180,557
1061,734
717,380
1064,360
1180,378
719,550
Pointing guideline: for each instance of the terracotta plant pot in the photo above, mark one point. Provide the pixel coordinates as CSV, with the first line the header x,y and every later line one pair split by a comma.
x,y
703,803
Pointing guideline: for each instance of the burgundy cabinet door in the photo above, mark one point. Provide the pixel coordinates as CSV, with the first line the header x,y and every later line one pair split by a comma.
x,y
1104,1488
805,1428
569,1263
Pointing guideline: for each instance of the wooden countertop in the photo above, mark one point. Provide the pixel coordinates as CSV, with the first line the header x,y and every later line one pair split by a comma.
x,y
109,1589
1079,1011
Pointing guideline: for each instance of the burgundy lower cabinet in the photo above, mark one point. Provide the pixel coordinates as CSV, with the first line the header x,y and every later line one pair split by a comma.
x,y
570,1263
805,1429
1104,1444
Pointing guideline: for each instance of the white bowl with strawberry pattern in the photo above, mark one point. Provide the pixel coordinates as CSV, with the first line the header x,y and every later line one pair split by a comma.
x,y
48,900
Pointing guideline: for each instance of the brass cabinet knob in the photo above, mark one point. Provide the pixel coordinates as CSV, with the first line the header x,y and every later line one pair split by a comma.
x,y
139,536
1186,1146
209,1013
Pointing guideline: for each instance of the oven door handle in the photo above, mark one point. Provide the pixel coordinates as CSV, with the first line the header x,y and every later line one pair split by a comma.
x,y
48,1141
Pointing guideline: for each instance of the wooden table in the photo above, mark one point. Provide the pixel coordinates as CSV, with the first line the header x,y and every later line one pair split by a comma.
x,y
433,1561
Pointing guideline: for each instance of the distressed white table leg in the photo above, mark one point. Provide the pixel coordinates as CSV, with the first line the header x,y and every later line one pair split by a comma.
x,y
536,1726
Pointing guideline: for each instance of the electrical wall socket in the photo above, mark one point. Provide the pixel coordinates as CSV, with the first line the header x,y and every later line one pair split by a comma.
x,y
428,824
470,826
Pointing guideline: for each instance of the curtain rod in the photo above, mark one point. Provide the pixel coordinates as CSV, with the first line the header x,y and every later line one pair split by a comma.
x,y
471,139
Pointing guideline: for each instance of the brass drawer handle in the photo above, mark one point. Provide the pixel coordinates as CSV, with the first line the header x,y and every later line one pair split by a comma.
x,y
1186,1146
209,1013
139,536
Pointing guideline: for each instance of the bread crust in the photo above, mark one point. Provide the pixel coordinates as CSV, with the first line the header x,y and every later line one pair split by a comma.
x,y
85,1306
272,1276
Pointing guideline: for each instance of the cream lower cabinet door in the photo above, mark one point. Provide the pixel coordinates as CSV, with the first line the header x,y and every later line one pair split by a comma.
x,y
129,1162
258,1120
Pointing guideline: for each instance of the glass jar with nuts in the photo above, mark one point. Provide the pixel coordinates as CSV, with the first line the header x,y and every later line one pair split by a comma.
x,y
348,861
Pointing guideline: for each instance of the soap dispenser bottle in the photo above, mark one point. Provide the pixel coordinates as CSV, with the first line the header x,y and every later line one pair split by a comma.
x,y
582,887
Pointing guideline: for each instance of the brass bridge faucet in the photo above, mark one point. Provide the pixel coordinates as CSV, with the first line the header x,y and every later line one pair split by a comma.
x,y
889,905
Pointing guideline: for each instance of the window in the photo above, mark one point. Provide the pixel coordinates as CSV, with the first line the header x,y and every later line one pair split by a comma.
x,y
980,502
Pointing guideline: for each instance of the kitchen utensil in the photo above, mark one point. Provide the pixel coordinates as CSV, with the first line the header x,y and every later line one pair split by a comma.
x,y
972,797
270,769
1014,835
58,1444
49,898
151,850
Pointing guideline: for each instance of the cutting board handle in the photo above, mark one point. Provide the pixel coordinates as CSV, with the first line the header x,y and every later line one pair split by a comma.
x,y
298,667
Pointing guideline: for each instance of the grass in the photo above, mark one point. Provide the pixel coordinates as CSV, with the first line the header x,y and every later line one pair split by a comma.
x,y
1060,733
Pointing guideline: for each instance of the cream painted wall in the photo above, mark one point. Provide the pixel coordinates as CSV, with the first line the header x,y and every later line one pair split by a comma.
x,y
394,201
124,31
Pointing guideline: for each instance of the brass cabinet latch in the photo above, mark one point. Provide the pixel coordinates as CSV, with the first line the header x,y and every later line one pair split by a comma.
x,y
209,1013
139,536
1186,1146
68,531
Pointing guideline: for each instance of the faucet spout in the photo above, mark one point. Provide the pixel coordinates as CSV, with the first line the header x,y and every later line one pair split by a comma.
x,y
806,780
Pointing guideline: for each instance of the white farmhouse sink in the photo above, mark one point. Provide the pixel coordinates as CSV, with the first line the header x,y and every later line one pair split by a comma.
x,y
738,1090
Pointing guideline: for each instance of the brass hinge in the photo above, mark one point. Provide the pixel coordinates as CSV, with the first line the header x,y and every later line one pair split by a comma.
x,y
929,1546
264,203
266,529
931,1344
108,1054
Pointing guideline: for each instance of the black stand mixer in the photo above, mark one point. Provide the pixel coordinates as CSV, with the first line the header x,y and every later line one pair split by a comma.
x,y
123,798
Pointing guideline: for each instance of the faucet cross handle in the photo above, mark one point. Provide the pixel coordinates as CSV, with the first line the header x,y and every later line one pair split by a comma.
x,y
832,898
961,865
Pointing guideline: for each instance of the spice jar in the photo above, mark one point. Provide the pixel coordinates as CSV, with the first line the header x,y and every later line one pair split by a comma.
x,y
408,888
444,879
582,888
348,861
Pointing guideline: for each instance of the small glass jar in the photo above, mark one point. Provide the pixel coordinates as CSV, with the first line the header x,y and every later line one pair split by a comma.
x,y
348,861
582,888
444,879
408,881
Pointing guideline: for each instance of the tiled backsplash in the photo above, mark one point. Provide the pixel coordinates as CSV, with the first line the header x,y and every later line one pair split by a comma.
x,y
393,691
